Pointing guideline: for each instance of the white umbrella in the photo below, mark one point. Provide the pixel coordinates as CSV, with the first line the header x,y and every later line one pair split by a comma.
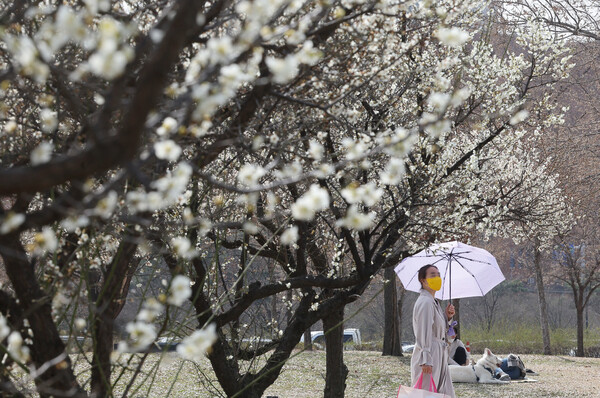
x,y
466,271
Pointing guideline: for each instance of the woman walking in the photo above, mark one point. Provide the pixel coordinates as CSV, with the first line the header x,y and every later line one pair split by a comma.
x,y
430,324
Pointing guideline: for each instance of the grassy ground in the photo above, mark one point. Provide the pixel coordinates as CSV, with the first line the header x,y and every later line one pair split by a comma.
x,y
370,375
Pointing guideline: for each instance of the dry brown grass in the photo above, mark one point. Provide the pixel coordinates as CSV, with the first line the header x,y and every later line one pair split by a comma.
x,y
370,375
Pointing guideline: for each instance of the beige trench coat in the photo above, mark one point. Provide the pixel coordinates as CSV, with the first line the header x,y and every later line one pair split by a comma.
x,y
430,326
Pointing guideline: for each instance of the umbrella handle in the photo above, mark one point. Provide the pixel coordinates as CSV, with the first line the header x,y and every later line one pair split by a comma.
x,y
450,281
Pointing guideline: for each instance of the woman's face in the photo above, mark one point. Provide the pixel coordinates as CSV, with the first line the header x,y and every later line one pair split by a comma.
x,y
432,272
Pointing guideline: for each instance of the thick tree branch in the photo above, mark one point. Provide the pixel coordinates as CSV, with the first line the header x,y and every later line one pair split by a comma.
x,y
113,151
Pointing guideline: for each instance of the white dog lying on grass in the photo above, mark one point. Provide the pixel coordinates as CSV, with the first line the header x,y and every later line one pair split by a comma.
x,y
482,372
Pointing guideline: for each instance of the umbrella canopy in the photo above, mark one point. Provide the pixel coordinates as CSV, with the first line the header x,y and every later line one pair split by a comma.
x,y
466,271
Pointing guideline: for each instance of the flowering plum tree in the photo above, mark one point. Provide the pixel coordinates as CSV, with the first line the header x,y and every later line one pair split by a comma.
x,y
322,140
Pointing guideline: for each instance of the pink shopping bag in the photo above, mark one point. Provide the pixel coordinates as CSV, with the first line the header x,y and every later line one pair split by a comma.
x,y
416,391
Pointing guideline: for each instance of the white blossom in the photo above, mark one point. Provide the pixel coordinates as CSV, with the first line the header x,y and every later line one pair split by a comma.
x,y
141,335
283,69
4,329
48,120
70,224
109,65
26,56
43,242
196,345
452,37
250,228
183,247
16,349
168,127
10,127
204,226
354,219
324,170
438,101
167,150
60,300
112,54
220,48
137,201
250,174
355,149
180,290
151,309
369,194
97,5
303,210
289,236
80,323
290,170
42,153
438,128
11,222
313,201
460,96
315,150
519,117
106,206
393,173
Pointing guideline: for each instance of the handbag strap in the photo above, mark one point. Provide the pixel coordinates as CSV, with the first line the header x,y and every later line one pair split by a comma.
x,y
432,387
419,383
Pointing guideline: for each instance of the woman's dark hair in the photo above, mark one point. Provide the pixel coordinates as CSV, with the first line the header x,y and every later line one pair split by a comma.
x,y
423,272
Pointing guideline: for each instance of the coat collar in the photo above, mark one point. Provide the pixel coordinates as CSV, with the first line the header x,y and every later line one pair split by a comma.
x,y
425,293
428,296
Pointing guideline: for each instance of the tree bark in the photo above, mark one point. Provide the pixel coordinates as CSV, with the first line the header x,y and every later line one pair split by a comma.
x,y
308,346
47,347
336,370
392,344
400,314
109,304
456,304
542,301
580,308
289,295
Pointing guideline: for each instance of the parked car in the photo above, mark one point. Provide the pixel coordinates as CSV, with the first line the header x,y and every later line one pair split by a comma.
x,y
408,347
165,344
76,343
350,336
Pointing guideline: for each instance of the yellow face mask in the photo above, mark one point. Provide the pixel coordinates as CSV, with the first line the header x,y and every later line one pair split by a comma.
x,y
434,283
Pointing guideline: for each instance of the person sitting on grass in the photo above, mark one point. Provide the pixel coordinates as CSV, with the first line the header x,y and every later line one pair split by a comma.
x,y
460,356
458,353
513,366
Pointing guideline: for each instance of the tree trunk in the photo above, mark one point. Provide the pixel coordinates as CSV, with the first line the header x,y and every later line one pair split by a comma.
x,y
289,295
47,347
336,370
101,366
579,307
392,344
542,302
400,306
308,346
456,304
110,302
